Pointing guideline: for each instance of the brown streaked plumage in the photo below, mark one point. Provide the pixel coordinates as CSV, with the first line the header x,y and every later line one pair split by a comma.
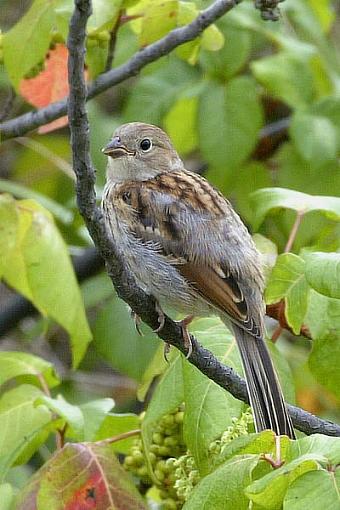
x,y
187,247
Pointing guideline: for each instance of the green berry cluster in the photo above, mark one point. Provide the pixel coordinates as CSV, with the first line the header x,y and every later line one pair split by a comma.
x,y
239,427
167,445
186,476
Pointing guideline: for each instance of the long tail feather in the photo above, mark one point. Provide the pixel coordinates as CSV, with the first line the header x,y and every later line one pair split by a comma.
x,y
264,390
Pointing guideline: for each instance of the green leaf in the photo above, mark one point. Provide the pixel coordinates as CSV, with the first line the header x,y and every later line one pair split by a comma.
x,y
286,76
14,364
324,359
323,316
267,199
40,269
104,14
20,419
61,213
251,176
6,496
96,290
80,475
287,281
72,414
94,414
33,31
318,444
168,395
223,62
323,273
9,224
117,341
269,491
158,19
314,137
156,367
212,39
116,424
183,134
187,12
167,84
329,107
230,118
209,409
259,443
314,490
224,488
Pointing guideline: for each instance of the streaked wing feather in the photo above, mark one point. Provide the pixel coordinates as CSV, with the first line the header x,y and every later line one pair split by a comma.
x,y
157,216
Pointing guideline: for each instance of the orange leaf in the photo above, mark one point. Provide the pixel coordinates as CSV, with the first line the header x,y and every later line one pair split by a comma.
x,y
48,86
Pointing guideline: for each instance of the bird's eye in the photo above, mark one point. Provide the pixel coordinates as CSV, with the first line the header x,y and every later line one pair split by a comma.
x,y
146,145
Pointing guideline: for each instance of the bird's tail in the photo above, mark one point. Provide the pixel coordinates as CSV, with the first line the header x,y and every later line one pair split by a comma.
x,y
264,389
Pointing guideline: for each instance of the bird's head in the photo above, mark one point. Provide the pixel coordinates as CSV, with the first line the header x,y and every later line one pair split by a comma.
x,y
139,151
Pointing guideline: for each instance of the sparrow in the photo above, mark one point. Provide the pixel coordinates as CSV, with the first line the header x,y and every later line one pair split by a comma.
x,y
187,247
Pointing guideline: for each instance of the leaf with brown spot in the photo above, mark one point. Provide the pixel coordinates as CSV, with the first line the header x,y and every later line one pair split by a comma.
x,y
81,476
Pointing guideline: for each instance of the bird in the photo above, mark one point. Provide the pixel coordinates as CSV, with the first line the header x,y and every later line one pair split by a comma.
x,y
186,246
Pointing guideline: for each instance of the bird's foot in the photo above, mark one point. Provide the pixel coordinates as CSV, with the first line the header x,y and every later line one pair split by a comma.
x,y
161,318
137,322
184,323
166,351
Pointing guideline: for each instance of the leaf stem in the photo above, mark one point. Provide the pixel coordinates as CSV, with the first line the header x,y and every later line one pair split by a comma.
x,y
292,236
294,230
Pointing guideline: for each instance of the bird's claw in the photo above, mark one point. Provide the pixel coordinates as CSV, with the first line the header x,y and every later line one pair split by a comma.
x,y
137,322
161,318
184,323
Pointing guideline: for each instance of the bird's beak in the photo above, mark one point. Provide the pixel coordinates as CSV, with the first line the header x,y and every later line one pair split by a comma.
x,y
115,149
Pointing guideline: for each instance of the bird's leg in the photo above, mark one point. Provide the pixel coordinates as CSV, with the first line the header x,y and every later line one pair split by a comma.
x,y
161,320
184,323
137,322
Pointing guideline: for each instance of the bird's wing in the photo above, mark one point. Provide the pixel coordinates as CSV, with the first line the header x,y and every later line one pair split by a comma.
x,y
196,228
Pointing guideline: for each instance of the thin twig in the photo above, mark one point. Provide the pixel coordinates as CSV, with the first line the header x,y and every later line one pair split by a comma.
x,y
112,43
139,301
294,231
292,236
119,437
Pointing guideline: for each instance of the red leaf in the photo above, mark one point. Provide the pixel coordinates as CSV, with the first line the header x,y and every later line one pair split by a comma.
x,y
81,476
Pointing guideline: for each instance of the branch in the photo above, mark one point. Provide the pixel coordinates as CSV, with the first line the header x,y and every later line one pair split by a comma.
x,y
140,302
24,123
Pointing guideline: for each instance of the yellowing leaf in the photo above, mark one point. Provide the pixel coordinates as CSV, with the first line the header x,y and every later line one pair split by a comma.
x,y
41,270
212,39
159,18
